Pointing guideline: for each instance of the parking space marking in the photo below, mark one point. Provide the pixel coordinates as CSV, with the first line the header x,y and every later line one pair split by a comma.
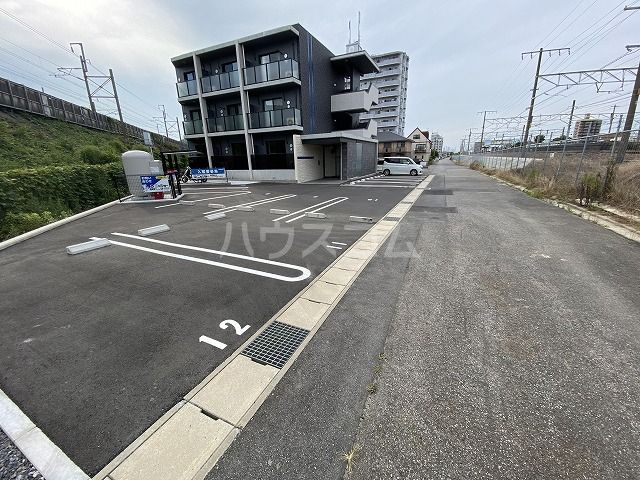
x,y
211,341
304,272
312,208
334,247
257,202
205,199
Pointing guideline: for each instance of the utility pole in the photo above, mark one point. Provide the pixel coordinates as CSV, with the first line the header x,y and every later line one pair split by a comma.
x,y
178,128
535,83
631,113
115,94
469,143
96,85
612,115
85,71
566,137
164,119
484,119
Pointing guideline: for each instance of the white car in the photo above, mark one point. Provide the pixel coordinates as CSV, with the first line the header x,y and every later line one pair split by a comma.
x,y
398,166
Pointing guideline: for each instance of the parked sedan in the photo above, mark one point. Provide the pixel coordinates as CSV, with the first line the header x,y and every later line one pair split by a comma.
x,y
398,166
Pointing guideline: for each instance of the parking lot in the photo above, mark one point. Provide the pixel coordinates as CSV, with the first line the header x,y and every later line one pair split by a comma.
x,y
97,346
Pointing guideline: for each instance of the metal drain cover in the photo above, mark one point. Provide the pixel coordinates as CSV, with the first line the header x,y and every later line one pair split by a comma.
x,y
275,345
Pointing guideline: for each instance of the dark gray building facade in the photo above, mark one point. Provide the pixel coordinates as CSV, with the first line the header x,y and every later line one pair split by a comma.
x,y
278,105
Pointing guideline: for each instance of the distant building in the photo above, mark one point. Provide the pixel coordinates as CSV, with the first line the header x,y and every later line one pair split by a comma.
x,y
587,126
391,144
420,145
391,82
437,142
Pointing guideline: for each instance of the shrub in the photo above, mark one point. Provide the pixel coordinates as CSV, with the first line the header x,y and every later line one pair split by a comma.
x,y
590,188
60,191
92,155
17,223
117,147
475,165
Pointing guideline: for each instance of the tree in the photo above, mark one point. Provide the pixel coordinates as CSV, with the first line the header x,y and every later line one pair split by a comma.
x,y
538,138
561,137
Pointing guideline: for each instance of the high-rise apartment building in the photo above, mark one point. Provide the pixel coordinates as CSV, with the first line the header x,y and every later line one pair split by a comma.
x,y
587,126
391,82
278,105
437,140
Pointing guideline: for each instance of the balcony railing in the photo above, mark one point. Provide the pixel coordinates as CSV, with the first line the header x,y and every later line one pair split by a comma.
x,y
225,124
272,161
187,88
271,71
275,118
222,81
192,127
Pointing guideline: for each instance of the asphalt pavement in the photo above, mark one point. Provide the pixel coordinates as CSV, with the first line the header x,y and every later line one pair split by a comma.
x,y
98,346
495,336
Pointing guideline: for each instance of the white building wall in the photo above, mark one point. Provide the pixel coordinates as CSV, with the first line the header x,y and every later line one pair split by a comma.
x,y
308,161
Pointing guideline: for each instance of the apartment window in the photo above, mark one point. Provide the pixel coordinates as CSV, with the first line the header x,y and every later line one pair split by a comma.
x,y
272,104
230,67
276,146
416,136
188,76
234,109
271,57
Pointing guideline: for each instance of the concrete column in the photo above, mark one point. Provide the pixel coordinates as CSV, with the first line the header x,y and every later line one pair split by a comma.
x,y
203,109
244,101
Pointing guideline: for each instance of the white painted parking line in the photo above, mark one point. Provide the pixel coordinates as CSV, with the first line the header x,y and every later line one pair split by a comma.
x,y
257,202
206,199
334,247
304,272
326,203
211,341
340,243
381,186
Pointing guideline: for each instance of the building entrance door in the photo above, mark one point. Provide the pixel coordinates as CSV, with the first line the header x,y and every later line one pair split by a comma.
x,y
331,161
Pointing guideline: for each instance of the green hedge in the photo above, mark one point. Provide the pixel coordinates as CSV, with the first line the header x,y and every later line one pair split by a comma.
x,y
33,197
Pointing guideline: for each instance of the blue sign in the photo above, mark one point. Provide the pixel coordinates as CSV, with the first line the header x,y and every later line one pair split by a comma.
x,y
155,183
208,172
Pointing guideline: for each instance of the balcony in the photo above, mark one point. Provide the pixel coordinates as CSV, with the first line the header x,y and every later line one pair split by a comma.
x,y
269,72
386,72
192,127
389,61
355,102
222,81
187,89
393,93
230,123
287,117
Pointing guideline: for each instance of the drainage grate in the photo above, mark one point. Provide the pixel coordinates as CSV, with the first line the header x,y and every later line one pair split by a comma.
x,y
275,345
418,208
445,191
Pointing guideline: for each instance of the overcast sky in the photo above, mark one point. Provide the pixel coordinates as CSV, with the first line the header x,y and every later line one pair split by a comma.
x,y
464,55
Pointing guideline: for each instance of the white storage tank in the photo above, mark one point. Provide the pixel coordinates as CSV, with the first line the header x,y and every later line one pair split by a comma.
x,y
137,163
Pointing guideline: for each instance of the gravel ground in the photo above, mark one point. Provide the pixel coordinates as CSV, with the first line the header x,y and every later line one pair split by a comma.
x,y
13,464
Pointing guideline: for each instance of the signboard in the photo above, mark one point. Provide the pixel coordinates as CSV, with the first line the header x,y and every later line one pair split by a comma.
x,y
148,140
208,173
155,183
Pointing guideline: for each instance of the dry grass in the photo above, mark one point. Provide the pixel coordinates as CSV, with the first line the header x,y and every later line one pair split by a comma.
x,y
350,457
554,180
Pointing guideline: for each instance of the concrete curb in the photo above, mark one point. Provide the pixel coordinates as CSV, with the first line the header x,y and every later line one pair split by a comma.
x,y
50,461
51,226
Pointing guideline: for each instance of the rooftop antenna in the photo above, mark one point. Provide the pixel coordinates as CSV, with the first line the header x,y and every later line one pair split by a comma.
x,y
358,27
349,31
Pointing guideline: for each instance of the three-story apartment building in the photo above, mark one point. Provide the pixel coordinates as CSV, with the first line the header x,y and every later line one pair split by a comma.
x,y
278,105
